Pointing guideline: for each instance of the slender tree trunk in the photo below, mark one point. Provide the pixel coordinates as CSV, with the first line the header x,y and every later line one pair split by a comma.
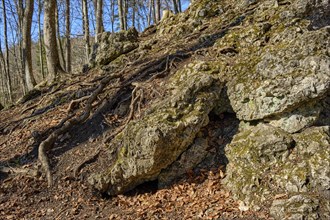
x,y
86,29
175,6
40,41
3,75
121,14
133,13
59,41
21,65
150,11
112,9
27,57
158,6
67,35
153,11
7,69
99,19
53,62
179,5
125,13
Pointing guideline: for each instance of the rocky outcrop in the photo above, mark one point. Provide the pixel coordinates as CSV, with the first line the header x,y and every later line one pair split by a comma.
x,y
268,62
280,84
265,161
113,45
147,146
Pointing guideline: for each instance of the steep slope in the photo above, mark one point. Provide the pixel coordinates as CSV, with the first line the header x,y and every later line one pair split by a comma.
x,y
238,87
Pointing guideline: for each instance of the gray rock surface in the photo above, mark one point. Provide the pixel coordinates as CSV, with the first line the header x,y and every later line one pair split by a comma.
x,y
298,207
187,161
294,69
275,58
147,146
112,45
263,158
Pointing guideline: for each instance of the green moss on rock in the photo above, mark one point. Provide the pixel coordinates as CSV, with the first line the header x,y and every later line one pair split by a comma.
x,y
151,144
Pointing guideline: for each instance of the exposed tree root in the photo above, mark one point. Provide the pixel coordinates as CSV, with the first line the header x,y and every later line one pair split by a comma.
x,y
26,171
149,71
66,124
87,160
73,103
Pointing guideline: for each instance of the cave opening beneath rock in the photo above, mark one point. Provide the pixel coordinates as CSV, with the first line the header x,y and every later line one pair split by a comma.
x,y
219,132
217,135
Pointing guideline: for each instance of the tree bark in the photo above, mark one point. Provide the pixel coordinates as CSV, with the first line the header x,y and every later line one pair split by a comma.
x,y
67,35
175,6
158,6
150,11
99,19
86,29
59,41
7,69
20,62
27,57
112,18
179,5
133,12
125,14
40,41
53,62
121,14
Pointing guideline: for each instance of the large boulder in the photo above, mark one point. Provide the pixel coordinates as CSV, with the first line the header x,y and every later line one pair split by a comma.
x,y
113,45
149,145
279,89
292,71
265,161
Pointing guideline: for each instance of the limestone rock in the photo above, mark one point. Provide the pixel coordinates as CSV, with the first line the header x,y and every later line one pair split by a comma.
x,y
313,144
296,207
302,166
252,155
112,45
283,76
187,161
298,119
147,146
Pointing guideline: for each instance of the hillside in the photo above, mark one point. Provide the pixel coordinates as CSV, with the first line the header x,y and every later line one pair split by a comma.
x,y
220,112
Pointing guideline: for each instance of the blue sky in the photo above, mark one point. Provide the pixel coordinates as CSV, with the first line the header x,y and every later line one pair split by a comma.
x,y
76,21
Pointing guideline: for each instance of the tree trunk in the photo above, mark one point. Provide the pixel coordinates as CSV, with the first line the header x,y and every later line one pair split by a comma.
x,y
67,35
179,5
59,41
121,14
175,6
27,58
86,29
53,62
20,62
7,69
40,41
158,6
153,11
125,13
133,12
112,9
99,20
150,12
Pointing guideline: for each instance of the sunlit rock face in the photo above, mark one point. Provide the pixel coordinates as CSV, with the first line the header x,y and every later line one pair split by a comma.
x,y
267,63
